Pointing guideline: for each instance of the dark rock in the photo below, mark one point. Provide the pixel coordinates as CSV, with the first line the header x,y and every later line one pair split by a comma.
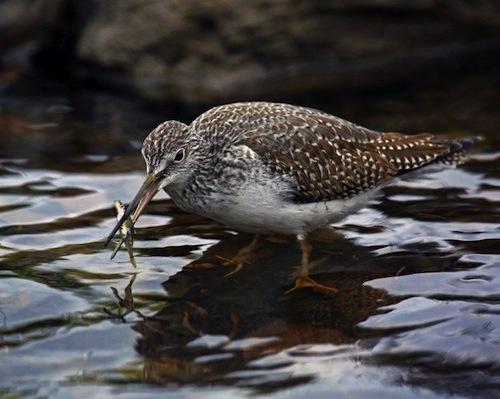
x,y
216,51
22,23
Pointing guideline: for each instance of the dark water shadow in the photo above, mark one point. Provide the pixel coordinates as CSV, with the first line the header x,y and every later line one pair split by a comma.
x,y
214,329
251,307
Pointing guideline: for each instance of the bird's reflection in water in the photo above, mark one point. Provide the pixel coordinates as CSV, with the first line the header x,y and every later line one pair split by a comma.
x,y
214,325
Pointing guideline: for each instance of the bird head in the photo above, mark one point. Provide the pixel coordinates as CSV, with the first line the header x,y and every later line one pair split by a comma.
x,y
165,151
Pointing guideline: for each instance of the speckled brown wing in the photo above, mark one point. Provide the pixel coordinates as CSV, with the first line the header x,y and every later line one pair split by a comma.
x,y
336,161
324,168
324,156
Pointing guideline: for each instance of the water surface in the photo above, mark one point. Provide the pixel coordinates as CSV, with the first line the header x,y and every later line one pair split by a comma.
x,y
417,314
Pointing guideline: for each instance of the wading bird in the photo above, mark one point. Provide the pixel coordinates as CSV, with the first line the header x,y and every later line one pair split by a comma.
x,y
264,167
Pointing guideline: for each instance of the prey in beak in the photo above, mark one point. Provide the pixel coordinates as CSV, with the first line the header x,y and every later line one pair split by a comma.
x,y
127,233
147,191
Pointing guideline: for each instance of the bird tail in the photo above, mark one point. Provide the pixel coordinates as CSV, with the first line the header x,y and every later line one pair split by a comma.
x,y
457,152
444,152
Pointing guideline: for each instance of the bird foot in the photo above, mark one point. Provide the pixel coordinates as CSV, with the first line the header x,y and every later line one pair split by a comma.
x,y
244,256
308,282
238,261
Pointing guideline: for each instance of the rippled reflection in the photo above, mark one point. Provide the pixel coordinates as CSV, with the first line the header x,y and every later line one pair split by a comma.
x,y
416,315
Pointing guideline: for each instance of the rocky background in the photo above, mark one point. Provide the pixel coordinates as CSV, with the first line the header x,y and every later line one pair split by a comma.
x,y
206,52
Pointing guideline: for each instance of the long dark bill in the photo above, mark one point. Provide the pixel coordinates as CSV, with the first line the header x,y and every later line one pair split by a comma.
x,y
147,191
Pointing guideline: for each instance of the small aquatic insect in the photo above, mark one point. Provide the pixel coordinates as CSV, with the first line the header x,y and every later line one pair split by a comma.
x,y
126,232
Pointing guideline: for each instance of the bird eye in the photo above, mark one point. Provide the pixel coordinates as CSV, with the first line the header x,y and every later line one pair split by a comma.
x,y
179,156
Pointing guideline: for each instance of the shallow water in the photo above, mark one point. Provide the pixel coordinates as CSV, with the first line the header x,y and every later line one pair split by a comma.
x,y
417,314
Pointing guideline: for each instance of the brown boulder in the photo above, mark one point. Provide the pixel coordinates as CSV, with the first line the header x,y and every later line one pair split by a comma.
x,y
220,50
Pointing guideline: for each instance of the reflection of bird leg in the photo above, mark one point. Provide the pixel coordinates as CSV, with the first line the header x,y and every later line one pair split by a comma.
x,y
129,296
117,296
303,280
185,323
243,257
127,302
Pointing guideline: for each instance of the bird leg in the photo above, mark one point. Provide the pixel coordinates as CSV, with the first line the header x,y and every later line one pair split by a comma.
x,y
243,257
303,280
